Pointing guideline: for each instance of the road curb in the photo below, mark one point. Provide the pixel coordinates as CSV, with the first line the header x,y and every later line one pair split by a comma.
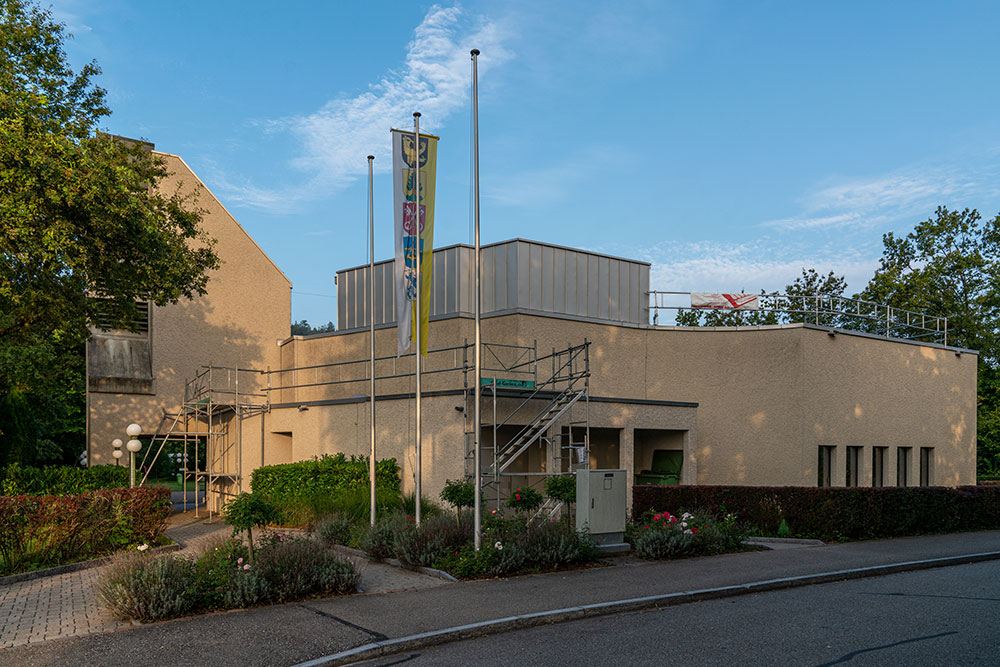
x,y
499,625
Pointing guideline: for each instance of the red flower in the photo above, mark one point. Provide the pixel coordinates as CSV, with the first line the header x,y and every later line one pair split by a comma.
x,y
694,529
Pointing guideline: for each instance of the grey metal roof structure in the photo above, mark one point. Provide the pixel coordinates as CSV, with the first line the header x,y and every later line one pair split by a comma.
x,y
518,276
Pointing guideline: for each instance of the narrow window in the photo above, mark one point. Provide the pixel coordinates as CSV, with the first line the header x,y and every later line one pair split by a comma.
x,y
902,466
825,466
853,463
878,466
926,466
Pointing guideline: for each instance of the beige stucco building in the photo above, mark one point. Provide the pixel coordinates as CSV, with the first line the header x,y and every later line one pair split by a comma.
x,y
589,379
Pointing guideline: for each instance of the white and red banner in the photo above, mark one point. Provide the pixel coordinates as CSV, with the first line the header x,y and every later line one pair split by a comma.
x,y
725,301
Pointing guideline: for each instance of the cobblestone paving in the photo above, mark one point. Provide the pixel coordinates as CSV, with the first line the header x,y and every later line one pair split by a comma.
x,y
66,605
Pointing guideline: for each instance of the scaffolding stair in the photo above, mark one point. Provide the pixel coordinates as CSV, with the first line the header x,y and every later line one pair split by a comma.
x,y
508,453
548,511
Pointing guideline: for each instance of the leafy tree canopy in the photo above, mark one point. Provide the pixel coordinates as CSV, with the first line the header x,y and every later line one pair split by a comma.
x,y
303,328
84,231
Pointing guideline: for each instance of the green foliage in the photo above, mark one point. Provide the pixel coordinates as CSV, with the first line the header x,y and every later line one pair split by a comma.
x,y
378,540
62,480
408,506
336,529
76,209
661,535
323,476
250,510
561,487
306,512
525,500
148,589
833,514
45,531
302,328
510,546
459,493
436,537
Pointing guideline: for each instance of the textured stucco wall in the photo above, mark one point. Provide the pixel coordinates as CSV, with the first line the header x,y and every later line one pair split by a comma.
x,y
767,397
238,322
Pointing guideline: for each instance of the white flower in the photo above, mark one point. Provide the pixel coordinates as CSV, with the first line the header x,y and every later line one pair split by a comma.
x,y
686,516
684,524
498,546
687,532
142,547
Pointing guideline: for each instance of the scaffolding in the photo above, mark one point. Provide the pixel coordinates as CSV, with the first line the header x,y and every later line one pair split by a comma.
x,y
539,407
548,396
210,427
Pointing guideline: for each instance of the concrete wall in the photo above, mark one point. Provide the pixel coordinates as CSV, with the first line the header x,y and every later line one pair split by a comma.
x,y
238,322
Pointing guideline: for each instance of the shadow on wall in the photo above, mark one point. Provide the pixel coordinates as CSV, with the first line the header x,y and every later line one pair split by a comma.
x,y
184,338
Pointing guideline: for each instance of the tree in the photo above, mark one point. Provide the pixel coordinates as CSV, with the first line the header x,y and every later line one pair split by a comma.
x,y
801,301
85,233
949,265
303,328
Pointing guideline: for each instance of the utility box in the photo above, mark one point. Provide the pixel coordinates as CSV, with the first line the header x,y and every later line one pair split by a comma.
x,y
601,506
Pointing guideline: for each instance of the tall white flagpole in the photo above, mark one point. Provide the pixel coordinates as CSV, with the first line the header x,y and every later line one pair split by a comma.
x,y
477,453
371,311
419,256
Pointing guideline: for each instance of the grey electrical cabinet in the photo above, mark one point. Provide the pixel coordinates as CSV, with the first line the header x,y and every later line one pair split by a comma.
x,y
601,505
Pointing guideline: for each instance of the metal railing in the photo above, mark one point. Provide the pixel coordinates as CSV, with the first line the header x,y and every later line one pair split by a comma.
x,y
835,311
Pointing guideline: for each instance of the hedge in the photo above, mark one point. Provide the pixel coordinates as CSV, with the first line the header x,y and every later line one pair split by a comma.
x,y
19,480
835,513
325,475
45,531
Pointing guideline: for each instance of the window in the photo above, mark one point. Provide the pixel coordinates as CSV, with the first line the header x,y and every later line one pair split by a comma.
x,y
926,466
878,466
853,463
825,466
902,466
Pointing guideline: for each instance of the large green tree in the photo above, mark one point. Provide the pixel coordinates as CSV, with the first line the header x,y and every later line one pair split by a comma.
x,y
950,265
85,231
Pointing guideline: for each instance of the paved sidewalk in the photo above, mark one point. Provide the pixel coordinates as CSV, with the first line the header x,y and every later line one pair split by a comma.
x,y
289,634
66,605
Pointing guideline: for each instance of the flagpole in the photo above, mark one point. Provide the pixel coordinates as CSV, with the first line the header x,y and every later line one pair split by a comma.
x,y
477,454
419,257
371,310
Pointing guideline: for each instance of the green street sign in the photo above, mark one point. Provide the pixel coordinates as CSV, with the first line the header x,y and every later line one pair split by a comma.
x,y
508,384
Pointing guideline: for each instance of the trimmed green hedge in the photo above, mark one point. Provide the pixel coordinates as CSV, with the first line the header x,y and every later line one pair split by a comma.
x,y
835,513
18,480
326,475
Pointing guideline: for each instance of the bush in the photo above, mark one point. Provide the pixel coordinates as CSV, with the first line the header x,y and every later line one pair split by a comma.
x,y
837,513
435,538
659,535
44,531
148,589
216,570
20,480
305,512
324,476
297,567
459,494
335,529
248,511
525,500
377,541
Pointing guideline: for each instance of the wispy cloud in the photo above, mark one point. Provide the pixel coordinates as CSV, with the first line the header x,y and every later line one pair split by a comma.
x,y
886,198
335,140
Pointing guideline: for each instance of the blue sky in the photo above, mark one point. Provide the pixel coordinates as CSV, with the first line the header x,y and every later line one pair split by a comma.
x,y
730,144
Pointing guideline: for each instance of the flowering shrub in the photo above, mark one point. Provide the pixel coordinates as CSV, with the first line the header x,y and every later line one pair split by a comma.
x,y
148,589
44,531
524,500
659,535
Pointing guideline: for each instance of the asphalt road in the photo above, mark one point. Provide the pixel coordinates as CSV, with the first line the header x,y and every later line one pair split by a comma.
x,y
947,616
